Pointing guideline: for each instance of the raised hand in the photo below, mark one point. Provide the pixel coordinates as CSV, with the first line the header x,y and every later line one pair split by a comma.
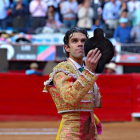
x,y
92,59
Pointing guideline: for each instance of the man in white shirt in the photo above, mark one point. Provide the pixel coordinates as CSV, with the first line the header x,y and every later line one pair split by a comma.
x,y
111,13
4,4
38,9
132,5
69,13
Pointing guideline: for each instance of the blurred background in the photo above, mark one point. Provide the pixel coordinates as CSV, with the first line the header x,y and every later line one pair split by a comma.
x,y
31,44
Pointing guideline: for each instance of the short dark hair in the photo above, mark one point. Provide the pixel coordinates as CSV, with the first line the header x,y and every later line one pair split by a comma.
x,y
70,32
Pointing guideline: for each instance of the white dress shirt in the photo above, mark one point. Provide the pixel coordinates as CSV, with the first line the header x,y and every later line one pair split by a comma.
x,y
66,6
4,4
76,64
36,10
133,5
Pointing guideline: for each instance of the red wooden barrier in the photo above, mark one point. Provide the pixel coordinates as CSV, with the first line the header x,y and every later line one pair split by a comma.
x,y
117,99
136,93
21,97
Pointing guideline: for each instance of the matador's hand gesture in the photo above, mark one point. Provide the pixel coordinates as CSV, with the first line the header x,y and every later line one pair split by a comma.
x,y
92,59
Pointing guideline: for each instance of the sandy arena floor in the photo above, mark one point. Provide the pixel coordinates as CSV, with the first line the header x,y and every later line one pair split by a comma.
x,y
48,130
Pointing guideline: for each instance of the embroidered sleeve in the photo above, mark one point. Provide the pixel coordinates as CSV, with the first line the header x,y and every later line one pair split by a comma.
x,y
71,90
97,96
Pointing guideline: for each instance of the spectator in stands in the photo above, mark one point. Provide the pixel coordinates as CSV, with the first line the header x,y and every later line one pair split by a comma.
x,y
135,33
136,17
126,14
110,13
51,21
99,13
55,3
19,14
59,11
96,25
69,12
97,6
123,12
132,5
110,68
4,4
123,7
85,16
52,11
122,32
33,70
38,9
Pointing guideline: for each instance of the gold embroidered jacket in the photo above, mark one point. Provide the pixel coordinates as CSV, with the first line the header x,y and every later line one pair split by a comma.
x,y
72,91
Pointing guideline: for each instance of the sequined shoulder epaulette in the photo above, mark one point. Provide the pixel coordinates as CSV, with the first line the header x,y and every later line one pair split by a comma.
x,y
65,67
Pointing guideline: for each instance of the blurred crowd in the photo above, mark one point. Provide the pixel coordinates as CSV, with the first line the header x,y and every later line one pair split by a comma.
x,y
120,19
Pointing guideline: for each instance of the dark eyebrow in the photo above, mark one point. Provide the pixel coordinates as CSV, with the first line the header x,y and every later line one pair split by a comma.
x,y
78,38
74,38
84,39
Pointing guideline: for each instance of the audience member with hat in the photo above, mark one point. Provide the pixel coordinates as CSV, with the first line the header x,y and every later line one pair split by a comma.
x,y
110,68
122,32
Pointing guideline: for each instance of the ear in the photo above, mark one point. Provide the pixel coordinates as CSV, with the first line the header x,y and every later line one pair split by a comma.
x,y
67,48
